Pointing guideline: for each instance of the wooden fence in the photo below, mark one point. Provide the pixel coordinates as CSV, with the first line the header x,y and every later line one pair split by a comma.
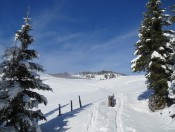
x,y
71,105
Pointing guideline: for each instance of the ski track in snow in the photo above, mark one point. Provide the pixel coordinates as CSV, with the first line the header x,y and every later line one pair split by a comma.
x,y
102,118
93,118
118,109
119,123
118,114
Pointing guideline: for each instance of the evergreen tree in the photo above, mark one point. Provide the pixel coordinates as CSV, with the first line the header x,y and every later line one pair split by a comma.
x,y
19,84
153,51
171,35
173,13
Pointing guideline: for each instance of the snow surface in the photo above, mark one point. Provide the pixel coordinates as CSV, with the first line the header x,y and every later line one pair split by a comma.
x,y
131,113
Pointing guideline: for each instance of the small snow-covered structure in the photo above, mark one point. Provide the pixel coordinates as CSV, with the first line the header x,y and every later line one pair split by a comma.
x,y
111,101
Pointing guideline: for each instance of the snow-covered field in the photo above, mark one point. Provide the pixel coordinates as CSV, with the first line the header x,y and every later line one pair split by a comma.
x,y
130,114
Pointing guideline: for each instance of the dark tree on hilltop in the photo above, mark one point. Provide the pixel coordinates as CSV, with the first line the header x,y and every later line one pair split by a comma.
x,y
153,53
19,85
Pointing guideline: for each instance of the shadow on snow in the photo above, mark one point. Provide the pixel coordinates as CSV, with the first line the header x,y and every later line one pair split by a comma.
x,y
59,123
53,111
145,95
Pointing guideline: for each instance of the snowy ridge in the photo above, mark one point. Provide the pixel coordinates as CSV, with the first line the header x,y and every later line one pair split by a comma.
x,y
101,75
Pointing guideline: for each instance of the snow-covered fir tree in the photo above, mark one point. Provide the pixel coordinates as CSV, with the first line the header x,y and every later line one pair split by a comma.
x,y
20,82
171,35
153,54
173,13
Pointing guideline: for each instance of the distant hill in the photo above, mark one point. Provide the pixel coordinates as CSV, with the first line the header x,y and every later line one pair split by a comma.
x,y
65,75
100,75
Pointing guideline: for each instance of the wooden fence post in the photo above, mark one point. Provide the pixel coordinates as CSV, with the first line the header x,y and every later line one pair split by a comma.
x,y
59,110
71,105
80,101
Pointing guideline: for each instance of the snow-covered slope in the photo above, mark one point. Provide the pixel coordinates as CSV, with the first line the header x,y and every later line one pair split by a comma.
x,y
130,114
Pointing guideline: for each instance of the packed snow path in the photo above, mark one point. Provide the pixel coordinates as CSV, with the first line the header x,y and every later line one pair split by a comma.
x,y
102,118
130,114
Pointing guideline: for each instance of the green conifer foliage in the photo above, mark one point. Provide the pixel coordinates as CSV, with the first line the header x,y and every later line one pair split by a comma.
x,y
20,85
153,51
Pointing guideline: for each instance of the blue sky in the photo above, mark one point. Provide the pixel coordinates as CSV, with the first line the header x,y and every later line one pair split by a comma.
x,y
77,35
